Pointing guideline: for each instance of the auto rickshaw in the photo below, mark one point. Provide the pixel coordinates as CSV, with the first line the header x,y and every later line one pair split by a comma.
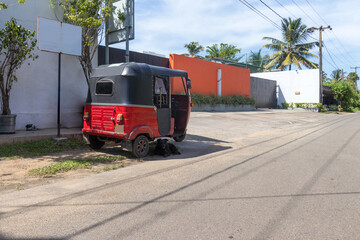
x,y
133,103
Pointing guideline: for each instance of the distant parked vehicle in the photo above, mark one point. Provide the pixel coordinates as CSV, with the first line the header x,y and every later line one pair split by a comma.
x,y
133,103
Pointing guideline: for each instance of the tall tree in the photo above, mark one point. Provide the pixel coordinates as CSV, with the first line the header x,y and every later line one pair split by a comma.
x,y
226,51
91,16
257,59
337,75
352,78
292,49
194,48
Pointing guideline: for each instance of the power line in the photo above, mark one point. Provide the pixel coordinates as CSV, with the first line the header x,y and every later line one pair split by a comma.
x,y
327,50
305,13
271,9
285,8
316,12
251,7
340,43
340,52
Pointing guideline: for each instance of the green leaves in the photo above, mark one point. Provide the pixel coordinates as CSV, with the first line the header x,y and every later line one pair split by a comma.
x,y
17,45
344,92
226,51
4,6
194,48
292,49
91,16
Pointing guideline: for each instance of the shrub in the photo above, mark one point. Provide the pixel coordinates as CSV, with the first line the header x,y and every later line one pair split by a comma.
x,y
234,100
344,92
285,105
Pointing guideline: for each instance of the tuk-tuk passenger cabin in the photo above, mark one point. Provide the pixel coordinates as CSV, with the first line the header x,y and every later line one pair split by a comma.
x,y
134,103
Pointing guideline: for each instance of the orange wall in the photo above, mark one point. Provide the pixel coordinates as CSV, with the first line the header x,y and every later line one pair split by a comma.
x,y
203,75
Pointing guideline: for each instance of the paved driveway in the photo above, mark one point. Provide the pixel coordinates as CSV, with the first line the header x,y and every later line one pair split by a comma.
x,y
241,176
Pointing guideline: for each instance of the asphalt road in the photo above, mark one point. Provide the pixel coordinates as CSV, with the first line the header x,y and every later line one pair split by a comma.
x,y
241,176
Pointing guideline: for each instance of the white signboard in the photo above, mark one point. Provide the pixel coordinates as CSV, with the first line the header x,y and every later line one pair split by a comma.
x,y
117,28
58,37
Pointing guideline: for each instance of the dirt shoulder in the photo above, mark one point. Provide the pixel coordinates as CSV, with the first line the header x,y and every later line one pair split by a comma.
x,y
14,172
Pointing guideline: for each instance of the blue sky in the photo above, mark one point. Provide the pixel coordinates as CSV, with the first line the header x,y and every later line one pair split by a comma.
x,y
164,26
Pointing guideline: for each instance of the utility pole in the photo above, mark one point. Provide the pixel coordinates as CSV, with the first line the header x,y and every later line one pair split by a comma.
x,y
321,29
355,69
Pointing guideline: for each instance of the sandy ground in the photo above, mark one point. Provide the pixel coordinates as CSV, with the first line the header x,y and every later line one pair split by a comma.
x,y
14,172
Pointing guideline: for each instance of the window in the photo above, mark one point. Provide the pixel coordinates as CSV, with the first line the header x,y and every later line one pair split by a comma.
x,y
104,87
160,91
159,86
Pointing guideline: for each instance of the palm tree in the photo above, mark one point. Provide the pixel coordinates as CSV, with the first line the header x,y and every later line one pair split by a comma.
x,y
193,48
293,49
337,75
226,51
256,59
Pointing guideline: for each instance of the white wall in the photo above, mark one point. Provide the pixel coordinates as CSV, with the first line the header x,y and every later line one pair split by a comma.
x,y
34,97
306,82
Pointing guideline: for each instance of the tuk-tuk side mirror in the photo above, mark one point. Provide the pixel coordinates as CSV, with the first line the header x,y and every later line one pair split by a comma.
x,y
188,83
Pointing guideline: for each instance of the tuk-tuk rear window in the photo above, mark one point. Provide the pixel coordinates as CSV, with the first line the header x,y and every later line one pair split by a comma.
x,y
104,87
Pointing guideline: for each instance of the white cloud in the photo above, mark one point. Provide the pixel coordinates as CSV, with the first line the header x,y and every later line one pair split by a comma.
x,y
164,26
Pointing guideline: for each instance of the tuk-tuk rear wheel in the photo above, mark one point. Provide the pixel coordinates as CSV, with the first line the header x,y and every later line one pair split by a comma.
x,y
141,146
95,143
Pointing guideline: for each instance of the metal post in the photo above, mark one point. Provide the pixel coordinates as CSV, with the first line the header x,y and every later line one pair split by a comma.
x,y
58,106
107,56
127,20
219,82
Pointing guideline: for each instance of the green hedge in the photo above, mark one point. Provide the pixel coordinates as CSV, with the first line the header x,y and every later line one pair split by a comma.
x,y
234,100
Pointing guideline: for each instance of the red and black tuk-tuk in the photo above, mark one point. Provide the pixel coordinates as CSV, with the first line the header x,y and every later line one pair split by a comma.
x,y
133,103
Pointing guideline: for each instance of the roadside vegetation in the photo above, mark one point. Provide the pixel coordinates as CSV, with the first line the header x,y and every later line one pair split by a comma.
x,y
234,100
78,163
39,148
344,89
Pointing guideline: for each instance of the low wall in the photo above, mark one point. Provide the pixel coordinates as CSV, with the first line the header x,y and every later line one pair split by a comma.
x,y
222,108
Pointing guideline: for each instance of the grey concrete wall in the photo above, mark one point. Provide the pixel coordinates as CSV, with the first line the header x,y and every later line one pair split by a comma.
x,y
264,92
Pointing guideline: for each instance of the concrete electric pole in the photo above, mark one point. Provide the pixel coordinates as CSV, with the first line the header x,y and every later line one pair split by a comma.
x,y
321,29
355,69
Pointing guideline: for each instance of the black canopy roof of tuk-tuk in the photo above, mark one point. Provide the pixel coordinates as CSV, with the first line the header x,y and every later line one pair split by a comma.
x,y
133,83
134,69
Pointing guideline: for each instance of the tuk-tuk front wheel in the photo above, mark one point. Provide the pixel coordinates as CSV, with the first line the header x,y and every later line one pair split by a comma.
x,y
180,138
95,143
141,146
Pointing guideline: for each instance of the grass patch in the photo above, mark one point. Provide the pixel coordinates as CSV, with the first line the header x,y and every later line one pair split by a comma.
x,y
113,167
73,164
39,148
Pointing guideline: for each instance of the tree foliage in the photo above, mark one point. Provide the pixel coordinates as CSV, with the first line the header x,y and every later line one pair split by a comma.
x,y
4,6
292,49
194,48
337,75
352,78
344,92
91,16
256,59
17,45
225,51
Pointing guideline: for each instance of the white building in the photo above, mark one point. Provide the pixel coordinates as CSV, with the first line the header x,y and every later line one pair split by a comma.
x,y
34,97
298,86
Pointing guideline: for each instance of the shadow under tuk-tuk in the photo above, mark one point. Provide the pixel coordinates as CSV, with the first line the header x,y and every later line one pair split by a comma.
x,y
192,146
